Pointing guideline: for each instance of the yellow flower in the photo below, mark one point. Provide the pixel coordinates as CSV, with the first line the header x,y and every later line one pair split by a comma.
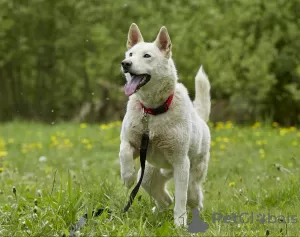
x,y
116,123
225,139
1,169
212,143
292,129
222,147
83,125
39,145
261,142
294,143
228,124
218,139
85,141
24,150
11,140
104,126
256,125
275,124
3,153
262,153
232,184
219,125
89,146
53,138
68,143
283,131
2,142
298,134
54,141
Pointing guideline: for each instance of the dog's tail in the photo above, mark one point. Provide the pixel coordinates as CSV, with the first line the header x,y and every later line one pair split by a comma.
x,y
202,96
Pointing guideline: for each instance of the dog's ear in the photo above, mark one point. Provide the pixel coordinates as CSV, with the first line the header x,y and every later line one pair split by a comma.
x,y
134,36
163,41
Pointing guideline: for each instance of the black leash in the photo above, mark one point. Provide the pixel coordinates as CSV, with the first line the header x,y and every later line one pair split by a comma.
x,y
143,154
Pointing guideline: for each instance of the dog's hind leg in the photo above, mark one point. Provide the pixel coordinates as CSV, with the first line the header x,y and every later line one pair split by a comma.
x,y
197,175
154,183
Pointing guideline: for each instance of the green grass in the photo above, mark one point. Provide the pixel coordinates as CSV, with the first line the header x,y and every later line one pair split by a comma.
x,y
59,172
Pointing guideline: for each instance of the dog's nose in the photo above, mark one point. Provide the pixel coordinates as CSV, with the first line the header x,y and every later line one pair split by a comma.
x,y
126,65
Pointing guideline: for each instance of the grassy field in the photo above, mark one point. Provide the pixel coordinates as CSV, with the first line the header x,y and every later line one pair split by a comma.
x,y
52,174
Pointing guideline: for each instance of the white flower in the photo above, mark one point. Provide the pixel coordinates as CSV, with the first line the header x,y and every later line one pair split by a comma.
x,y
42,159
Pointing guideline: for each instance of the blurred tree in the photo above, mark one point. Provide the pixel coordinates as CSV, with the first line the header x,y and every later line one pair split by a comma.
x,y
58,57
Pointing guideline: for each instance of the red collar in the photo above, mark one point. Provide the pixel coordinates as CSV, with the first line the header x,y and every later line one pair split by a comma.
x,y
160,109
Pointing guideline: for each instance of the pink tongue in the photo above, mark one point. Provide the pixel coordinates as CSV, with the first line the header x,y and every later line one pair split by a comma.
x,y
131,86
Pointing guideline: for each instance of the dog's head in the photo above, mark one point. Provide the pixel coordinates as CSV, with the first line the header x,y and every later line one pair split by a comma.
x,y
147,65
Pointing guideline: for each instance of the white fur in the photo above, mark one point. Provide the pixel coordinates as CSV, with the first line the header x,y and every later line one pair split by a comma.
x,y
179,138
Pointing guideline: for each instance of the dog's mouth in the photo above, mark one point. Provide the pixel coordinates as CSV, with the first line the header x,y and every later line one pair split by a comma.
x,y
136,82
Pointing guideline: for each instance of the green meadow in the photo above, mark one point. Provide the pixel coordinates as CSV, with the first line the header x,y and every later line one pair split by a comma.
x,y
50,175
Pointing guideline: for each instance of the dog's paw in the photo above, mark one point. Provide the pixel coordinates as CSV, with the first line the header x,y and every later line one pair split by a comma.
x,y
181,221
128,179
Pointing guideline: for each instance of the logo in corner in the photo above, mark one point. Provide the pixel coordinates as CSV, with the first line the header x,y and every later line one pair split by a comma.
x,y
197,224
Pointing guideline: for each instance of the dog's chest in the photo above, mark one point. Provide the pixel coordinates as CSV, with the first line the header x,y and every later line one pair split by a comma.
x,y
161,141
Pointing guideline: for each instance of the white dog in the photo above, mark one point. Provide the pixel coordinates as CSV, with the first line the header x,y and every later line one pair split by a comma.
x,y
179,136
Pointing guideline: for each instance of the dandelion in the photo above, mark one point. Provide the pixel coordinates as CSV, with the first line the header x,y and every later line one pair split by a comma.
x,y
228,125
212,143
83,125
231,185
225,139
262,153
2,142
89,146
11,140
283,131
116,123
104,126
1,169
68,143
54,141
256,125
218,139
222,147
292,129
219,125
3,153
85,141
24,149
298,134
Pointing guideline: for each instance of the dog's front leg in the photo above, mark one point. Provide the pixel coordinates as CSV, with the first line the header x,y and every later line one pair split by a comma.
x,y
127,163
181,180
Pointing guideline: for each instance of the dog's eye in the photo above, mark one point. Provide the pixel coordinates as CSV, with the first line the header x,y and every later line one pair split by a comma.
x,y
130,54
147,55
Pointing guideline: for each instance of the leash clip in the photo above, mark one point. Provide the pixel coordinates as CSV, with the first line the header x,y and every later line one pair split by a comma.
x,y
145,121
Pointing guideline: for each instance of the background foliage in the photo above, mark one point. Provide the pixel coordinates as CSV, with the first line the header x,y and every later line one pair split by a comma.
x,y
60,60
